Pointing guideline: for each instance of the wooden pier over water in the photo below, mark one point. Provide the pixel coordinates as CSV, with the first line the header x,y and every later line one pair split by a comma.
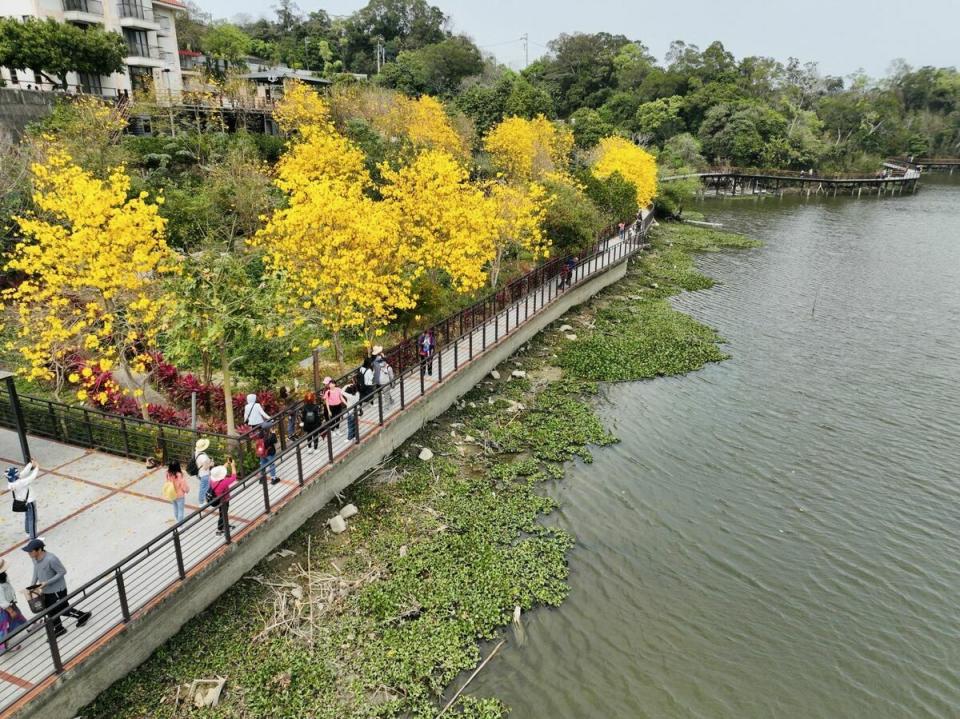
x,y
927,164
895,179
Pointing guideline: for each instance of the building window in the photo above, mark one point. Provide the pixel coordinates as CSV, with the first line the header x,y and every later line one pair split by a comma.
x,y
141,79
90,84
14,80
136,42
134,8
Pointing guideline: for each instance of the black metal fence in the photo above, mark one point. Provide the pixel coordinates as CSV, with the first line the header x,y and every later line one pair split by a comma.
x,y
118,593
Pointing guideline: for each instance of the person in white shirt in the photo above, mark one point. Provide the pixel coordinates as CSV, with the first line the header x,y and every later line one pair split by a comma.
x,y
351,393
253,413
24,495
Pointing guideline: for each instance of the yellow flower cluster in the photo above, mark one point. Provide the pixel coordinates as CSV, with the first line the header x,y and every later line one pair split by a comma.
x,y
635,165
529,149
90,259
352,260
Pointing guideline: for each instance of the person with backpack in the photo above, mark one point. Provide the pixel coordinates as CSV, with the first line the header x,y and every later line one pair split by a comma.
x,y
10,615
199,466
220,482
254,414
382,374
426,346
351,395
365,376
24,494
334,401
175,489
266,449
310,420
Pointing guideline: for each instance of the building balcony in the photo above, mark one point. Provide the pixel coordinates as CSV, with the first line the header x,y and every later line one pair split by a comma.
x,y
147,56
83,11
165,24
135,14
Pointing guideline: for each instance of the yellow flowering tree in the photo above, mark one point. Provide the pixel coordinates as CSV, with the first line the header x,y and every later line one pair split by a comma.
x,y
446,222
90,260
425,123
519,211
529,149
635,165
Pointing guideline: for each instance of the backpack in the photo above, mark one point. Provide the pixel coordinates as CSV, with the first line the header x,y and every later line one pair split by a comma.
x,y
310,416
212,498
193,469
261,447
169,492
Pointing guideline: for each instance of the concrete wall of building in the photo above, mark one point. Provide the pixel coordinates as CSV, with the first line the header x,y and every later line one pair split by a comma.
x,y
19,108
125,651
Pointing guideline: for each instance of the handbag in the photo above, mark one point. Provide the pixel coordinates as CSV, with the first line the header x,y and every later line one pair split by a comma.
x,y
20,505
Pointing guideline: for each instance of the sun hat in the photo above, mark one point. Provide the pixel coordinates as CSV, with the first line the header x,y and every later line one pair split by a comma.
x,y
33,545
13,474
201,445
218,473
378,349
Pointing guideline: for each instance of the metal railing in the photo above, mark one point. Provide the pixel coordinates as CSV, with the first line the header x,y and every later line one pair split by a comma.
x,y
130,437
93,7
134,9
131,586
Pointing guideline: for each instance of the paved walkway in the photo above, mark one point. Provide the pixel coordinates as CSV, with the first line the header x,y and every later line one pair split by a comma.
x,y
95,510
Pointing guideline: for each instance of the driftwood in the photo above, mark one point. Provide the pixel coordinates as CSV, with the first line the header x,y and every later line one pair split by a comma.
x,y
466,683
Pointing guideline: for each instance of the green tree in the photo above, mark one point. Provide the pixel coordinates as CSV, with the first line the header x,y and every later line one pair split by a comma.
x,y
398,24
227,43
660,119
55,48
436,69
589,127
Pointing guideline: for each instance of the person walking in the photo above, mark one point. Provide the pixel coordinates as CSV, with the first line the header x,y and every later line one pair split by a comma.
x,y
254,415
11,618
266,449
571,267
426,346
24,494
203,464
366,385
351,395
382,374
175,489
334,402
311,418
623,230
220,482
49,579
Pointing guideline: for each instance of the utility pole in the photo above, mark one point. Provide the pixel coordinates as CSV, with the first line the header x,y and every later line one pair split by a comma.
x,y
526,49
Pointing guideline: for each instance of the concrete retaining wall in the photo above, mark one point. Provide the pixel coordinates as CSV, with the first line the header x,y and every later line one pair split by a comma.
x,y
19,108
124,652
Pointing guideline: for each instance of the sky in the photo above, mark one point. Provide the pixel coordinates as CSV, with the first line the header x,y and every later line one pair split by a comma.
x,y
843,36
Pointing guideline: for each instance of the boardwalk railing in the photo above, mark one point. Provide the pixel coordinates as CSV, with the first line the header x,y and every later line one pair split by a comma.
x,y
133,585
130,437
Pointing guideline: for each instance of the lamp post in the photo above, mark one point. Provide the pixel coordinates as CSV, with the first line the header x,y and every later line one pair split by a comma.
x,y
173,128
16,412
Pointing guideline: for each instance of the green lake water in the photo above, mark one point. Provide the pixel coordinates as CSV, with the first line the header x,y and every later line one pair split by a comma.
x,y
777,535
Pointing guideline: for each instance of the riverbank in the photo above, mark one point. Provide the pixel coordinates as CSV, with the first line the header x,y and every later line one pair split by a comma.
x,y
380,620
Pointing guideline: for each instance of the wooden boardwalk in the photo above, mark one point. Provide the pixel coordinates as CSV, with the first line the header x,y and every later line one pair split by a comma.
x,y
895,179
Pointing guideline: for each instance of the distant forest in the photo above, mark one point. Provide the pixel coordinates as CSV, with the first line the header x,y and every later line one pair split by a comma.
x,y
697,106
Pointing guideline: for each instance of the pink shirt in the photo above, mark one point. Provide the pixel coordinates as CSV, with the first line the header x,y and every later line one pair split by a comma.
x,y
222,488
179,484
333,396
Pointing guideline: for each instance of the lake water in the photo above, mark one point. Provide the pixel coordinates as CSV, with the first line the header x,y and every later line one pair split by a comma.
x,y
777,535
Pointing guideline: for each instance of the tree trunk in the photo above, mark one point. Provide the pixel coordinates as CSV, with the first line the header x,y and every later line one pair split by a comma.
x,y
338,347
227,392
495,268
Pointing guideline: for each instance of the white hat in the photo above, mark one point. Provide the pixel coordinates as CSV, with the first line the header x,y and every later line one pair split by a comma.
x,y
218,473
377,349
201,445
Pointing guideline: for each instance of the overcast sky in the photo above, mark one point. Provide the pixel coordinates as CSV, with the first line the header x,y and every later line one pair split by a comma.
x,y
842,35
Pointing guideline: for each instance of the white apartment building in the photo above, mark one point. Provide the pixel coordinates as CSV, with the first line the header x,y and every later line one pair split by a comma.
x,y
147,27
